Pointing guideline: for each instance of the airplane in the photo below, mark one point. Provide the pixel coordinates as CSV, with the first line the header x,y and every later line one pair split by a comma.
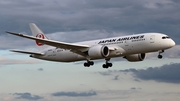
x,y
131,47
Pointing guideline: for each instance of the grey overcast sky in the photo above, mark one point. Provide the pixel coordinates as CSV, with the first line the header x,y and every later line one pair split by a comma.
x,y
115,16
26,79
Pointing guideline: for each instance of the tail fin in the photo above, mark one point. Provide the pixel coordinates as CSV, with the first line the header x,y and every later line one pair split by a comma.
x,y
37,33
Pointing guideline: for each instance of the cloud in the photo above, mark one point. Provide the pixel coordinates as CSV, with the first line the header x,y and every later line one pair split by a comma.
x,y
133,88
74,94
8,98
116,77
13,42
9,61
40,69
106,73
166,73
28,96
137,80
86,15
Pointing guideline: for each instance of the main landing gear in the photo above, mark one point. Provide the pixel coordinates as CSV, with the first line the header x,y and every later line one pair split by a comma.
x,y
91,63
88,63
160,56
107,65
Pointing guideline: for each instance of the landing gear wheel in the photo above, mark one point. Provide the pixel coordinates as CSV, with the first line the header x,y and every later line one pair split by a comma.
x,y
109,64
88,63
160,56
105,66
91,63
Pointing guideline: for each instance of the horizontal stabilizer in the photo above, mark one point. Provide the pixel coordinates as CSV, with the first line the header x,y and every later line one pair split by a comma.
x,y
27,52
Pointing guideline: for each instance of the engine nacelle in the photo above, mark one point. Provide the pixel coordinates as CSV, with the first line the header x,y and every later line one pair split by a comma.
x,y
136,57
98,51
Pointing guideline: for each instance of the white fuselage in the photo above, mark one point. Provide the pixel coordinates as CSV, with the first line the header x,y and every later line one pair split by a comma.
x,y
123,46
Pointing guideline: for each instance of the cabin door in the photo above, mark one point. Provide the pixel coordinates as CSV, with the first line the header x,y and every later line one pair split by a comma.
x,y
152,38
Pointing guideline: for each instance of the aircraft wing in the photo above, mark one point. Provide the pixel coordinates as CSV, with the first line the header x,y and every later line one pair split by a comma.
x,y
27,52
57,44
76,48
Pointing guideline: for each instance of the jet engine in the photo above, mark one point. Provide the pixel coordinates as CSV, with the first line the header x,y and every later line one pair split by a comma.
x,y
98,51
135,57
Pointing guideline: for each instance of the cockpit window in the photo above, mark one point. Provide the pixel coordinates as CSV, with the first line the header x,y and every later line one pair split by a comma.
x,y
165,37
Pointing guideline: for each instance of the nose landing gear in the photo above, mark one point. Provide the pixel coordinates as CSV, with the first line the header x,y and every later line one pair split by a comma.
x,y
160,56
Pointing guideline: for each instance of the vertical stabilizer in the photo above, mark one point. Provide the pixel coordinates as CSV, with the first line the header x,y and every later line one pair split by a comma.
x,y
37,33
35,30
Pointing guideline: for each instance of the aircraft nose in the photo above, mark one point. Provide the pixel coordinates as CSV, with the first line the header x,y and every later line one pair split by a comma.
x,y
172,43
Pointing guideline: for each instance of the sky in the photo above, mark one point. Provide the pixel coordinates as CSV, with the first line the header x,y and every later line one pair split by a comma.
x,y
26,79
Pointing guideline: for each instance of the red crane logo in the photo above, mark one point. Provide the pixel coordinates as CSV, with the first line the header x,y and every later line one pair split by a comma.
x,y
41,36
